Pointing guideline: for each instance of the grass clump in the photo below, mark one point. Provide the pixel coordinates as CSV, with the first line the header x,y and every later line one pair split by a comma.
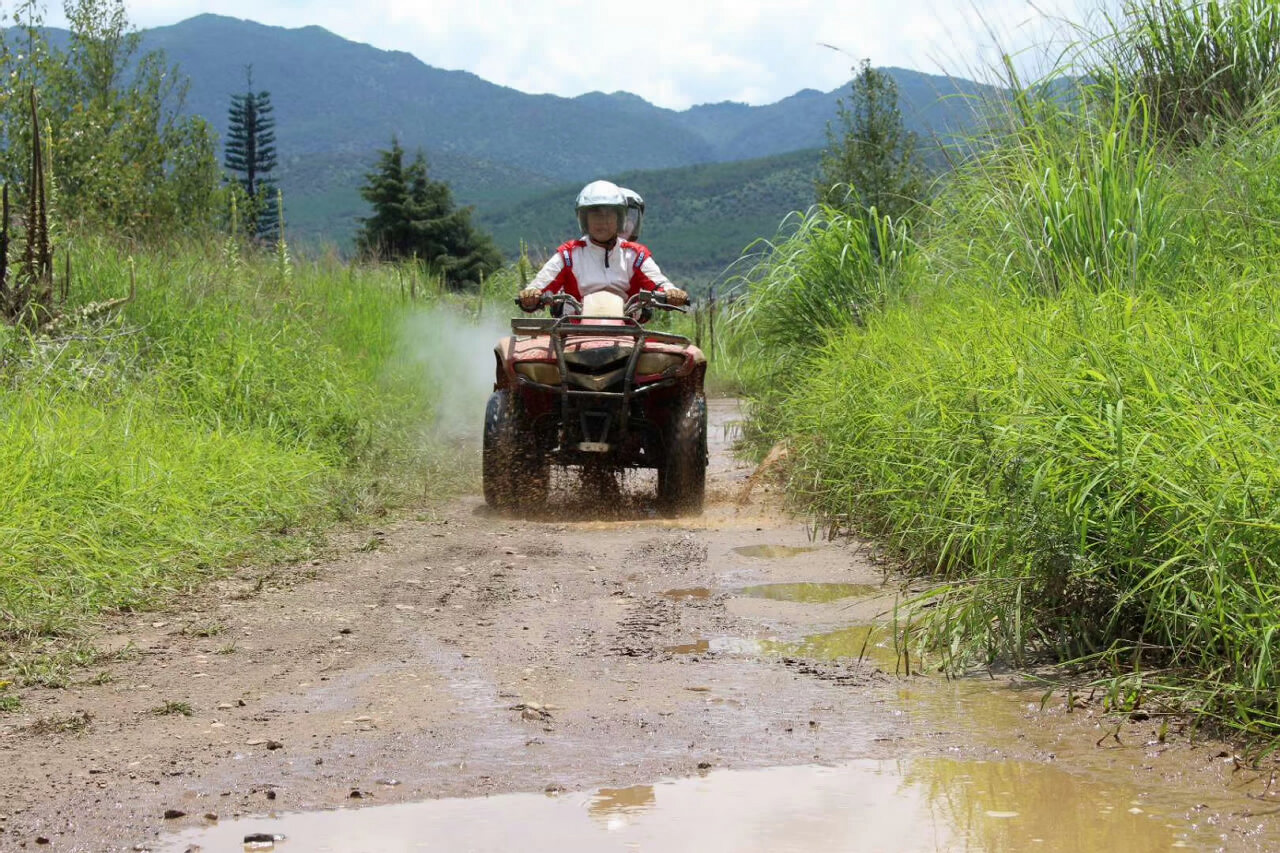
x,y
1064,407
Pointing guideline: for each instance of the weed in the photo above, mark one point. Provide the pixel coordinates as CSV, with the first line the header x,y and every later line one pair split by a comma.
x,y
205,629
170,708
73,723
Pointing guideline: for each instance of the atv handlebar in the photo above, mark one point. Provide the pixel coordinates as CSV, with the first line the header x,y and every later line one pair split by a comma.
x,y
636,304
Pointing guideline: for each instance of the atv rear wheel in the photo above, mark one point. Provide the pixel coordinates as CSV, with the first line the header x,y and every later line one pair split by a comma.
x,y
516,473
682,477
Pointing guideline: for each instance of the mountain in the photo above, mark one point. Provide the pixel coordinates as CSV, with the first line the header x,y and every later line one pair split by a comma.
x,y
508,153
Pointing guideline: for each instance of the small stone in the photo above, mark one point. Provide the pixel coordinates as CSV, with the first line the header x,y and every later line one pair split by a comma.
x,y
255,741
274,745
357,794
225,706
390,783
40,839
174,814
704,765
211,816
271,794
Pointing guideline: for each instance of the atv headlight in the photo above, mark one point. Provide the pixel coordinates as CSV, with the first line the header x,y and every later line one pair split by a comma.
x,y
658,362
540,372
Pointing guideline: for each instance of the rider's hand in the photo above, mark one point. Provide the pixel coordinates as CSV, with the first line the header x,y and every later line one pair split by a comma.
x,y
676,296
530,298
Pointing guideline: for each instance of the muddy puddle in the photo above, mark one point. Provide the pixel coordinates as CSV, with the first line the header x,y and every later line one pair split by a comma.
x,y
809,593
874,643
906,805
774,552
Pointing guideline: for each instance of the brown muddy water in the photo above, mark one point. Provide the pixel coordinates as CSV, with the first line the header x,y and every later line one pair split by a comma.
x,y
921,804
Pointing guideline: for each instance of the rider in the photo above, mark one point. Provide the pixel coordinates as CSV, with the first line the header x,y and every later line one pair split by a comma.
x,y
600,260
635,215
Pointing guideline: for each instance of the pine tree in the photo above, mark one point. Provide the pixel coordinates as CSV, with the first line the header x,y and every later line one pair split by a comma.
x,y
415,217
871,163
251,153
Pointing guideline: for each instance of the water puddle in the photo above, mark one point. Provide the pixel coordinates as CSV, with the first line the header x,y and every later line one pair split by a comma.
x,y
773,552
700,592
908,805
723,646
809,593
862,642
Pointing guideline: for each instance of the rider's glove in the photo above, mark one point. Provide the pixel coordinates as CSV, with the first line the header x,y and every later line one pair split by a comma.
x,y
676,296
530,299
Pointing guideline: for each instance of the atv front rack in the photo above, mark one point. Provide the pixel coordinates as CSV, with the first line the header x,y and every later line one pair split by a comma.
x,y
557,329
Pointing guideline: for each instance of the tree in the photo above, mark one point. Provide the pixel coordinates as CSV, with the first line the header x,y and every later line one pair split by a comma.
x,y
251,153
122,155
871,162
415,217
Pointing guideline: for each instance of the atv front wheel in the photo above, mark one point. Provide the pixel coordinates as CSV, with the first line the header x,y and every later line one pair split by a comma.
x,y
499,440
682,477
516,472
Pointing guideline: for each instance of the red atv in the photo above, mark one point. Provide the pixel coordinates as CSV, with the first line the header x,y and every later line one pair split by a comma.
x,y
596,390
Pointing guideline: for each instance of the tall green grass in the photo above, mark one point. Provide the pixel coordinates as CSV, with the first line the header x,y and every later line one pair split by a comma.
x,y
234,408
1064,409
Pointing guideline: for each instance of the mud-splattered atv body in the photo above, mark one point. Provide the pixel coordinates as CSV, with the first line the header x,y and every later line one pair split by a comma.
x,y
601,393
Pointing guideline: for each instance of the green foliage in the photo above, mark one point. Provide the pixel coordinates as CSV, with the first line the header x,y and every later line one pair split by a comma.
x,y
1075,192
223,414
822,276
414,217
251,155
870,164
121,155
1198,65
1063,409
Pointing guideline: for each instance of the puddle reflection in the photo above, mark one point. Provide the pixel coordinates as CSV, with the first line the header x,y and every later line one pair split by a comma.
x,y
809,593
722,645
910,805
875,643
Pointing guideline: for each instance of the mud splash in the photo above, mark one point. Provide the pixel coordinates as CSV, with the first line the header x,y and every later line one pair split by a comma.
x,y
908,805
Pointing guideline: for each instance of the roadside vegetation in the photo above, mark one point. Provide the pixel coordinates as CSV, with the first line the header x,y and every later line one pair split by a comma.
x,y
228,412
180,395
1055,393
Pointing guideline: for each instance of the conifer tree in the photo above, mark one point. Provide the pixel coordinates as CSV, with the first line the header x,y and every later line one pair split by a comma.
x,y
871,162
251,154
415,217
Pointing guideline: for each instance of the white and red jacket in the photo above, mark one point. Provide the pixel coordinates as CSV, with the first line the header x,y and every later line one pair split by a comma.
x,y
580,267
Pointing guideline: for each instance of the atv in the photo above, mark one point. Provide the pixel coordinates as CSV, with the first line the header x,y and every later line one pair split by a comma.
x,y
594,389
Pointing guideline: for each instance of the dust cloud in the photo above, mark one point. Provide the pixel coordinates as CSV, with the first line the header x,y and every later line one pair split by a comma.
x,y
451,353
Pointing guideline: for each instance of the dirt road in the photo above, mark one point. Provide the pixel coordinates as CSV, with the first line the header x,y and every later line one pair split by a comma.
x,y
463,654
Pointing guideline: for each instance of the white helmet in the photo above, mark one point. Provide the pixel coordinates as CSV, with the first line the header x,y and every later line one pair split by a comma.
x,y
601,194
635,215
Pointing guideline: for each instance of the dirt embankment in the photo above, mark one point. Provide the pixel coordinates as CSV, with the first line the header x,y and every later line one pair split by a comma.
x,y
464,654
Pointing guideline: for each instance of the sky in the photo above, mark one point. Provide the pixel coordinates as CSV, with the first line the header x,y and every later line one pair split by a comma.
x,y
673,53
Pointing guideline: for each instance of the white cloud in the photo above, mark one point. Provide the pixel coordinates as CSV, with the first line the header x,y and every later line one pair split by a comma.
x,y
674,53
